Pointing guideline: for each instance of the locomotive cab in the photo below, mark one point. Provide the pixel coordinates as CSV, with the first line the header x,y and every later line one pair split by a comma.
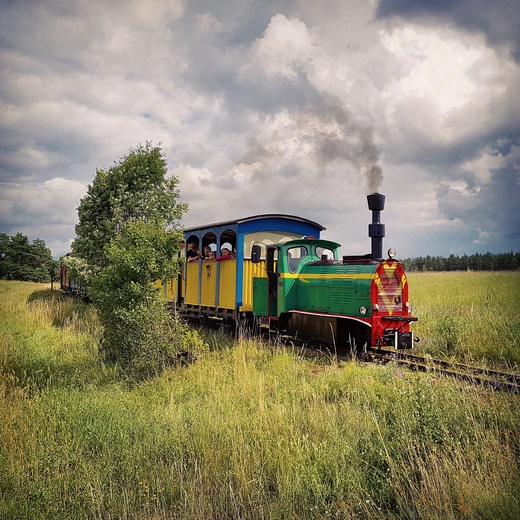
x,y
276,293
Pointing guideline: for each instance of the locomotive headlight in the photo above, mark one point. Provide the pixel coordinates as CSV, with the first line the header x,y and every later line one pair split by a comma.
x,y
391,253
362,310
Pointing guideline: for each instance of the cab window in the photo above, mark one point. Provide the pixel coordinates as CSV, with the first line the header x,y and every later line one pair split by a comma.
x,y
295,255
324,254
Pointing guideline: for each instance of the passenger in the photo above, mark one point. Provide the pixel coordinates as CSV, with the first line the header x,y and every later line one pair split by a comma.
x,y
208,254
225,254
193,252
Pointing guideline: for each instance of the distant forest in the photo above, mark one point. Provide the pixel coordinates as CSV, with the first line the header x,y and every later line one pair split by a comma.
x,y
477,262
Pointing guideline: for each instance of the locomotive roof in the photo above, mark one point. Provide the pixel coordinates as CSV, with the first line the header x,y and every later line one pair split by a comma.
x,y
265,216
312,241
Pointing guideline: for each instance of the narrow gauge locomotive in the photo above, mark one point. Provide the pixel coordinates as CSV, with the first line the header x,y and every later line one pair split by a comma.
x,y
286,278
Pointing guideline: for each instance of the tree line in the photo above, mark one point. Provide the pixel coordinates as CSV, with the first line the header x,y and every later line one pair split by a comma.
x,y
476,262
33,262
25,261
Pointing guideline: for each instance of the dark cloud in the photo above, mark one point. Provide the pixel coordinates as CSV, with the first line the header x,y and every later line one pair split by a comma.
x,y
490,205
499,20
45,211
224,33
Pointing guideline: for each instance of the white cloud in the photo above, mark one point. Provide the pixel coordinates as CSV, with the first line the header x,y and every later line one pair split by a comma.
x,y
243,174
207,22
285,47
450,88
481,167
289,137
55,201
437,63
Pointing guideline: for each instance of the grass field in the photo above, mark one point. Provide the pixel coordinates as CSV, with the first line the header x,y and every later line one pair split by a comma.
x,y
469,316
249,432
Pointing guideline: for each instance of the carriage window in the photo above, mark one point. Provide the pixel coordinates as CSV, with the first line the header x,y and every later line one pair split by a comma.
x,y
294,257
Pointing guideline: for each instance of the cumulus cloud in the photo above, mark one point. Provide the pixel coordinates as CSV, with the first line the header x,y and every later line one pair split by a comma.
x,y
287,106
452,92
489,194
286,46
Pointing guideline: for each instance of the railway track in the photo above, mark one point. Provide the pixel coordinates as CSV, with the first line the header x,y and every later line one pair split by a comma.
x,y
497,380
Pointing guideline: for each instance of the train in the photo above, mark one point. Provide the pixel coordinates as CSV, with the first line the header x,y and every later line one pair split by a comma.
x,y
283,277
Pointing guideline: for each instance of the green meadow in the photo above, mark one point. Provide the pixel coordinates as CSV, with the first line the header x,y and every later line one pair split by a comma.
x,y
468,316
250,432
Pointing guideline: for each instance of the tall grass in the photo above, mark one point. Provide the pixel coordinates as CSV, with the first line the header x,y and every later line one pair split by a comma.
x,y
44,335
245,432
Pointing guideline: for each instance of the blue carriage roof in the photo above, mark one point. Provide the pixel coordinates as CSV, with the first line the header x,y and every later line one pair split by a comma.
x,y
258,219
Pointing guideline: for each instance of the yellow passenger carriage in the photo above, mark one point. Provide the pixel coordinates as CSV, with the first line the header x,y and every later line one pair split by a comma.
x,y
223,289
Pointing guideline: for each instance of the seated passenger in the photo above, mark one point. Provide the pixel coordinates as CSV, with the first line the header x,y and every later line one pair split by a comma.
x,y
193,252
208,254
225,254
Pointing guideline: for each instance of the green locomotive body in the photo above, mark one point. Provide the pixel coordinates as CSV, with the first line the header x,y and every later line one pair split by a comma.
x,y
353,301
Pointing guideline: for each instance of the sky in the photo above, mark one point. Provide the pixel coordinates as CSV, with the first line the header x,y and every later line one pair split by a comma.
x,y
289,106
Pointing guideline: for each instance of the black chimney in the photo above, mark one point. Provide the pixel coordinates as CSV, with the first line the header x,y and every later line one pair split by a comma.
x,y
376,230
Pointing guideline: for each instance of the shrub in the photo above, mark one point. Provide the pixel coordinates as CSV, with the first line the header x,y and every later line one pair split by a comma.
x,y
139,332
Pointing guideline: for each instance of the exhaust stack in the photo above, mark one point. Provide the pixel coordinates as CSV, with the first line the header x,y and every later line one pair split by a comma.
x,y
376,230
